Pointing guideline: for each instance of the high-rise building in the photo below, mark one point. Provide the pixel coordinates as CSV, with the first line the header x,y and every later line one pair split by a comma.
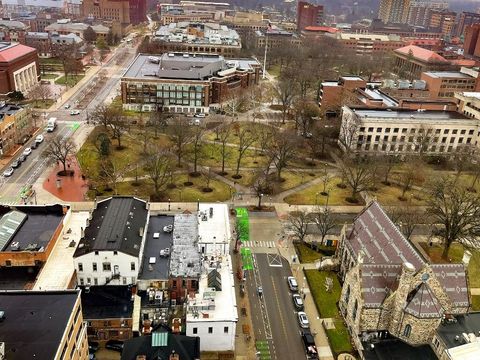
x,y
124,11
420,11
466,19
471,44
394,11
442,21
309,15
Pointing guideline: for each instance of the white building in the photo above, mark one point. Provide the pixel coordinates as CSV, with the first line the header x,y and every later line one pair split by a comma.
x,y
469,104
111,248
214,233
212,313
403,132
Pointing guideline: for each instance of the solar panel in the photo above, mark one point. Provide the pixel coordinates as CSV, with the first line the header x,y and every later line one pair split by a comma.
x,y
10,223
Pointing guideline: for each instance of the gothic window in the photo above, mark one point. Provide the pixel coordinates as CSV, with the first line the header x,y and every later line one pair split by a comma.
x,y
407,330
355,308
347,295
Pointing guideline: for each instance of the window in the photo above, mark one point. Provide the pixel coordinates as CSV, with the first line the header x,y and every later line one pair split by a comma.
x,y
95,281
89,281
437,131
377,138
124,280
370,129
446,131
94,265
195,331
463,132
385,138
404,131
8,263
355,308
395,130
454,131
470,132
96,252
107,267
115,253
452,140
444,139
387,130
132,266
81,281
80,267
460,140
407,330
210,330
362,129
379,129
225,329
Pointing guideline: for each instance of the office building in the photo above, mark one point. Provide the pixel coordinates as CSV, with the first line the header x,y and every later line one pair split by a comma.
x,y
66,27
420,11
369,44
471,43
469,104
19,68
394,11
309,15
444,84
185,82
123,11
464,20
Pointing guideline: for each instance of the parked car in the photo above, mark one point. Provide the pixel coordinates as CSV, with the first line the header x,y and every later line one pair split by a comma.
x,y
39,139
309,343
297,301
67,106
303,320
195,122
16,164
75,112
27,151
116,345
34,145
92,346
8,172
260,291
168,228
22,158
200,115
165,252
292,284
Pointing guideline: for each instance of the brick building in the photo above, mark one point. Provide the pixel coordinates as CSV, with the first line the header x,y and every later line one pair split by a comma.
x,y
309,15
471,43
444,84
19,68
185,82
442,21
465,20
15,126
369,44
394,289
124,11
12,31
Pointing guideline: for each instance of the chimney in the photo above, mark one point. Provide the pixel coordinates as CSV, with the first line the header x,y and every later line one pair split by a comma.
x,y
360,257
466,258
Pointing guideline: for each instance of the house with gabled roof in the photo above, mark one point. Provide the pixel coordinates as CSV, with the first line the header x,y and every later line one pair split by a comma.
x,y
389,288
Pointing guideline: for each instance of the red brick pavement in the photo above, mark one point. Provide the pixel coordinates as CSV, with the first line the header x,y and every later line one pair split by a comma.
x,y
72,188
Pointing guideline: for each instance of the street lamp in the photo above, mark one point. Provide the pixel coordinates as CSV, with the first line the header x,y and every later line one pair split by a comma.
x,y
260,196
168,204
198,204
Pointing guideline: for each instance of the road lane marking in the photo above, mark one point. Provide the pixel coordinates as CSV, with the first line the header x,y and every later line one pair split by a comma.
x,y
279,309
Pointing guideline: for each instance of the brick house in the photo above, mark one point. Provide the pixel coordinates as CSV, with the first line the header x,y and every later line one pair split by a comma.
x,y
389,287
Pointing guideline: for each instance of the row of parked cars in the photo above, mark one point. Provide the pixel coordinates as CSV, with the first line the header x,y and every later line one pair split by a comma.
x,y
307,337
27,151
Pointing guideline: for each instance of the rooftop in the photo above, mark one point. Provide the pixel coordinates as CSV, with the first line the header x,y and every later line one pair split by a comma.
x,y
107,302
214,304
13,24
10,52
35,322
369,37
409,114
155,241
447,74
29,228
394,349
421,54
214,229
185,257
450,329
117,223
321,29
9,109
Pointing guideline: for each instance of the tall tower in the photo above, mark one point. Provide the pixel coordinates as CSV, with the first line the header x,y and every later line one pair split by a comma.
x,y
394,11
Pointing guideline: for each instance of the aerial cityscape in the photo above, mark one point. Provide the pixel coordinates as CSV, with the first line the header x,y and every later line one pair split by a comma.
x,y
241,180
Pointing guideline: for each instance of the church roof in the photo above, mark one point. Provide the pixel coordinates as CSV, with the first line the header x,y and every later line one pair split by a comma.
x,y
422,303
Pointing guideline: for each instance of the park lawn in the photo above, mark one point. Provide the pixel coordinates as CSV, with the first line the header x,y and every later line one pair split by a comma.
x,y
339,338
456,254
389,195
247,179
233,139
308,195
212,157
475,305
72,80
42,104
274,70
291,179
306,254
49,76
326,301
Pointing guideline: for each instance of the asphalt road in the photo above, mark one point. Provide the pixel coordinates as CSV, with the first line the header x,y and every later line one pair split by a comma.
x,y
273,315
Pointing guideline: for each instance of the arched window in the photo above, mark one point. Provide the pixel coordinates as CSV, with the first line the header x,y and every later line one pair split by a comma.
x,y
407,330
347,295
355,308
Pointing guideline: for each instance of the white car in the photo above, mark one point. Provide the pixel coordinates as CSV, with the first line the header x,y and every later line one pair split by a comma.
x,y
75,112
27,151
303,320
165,252
39,139
8,172
200,115
67,106
168,228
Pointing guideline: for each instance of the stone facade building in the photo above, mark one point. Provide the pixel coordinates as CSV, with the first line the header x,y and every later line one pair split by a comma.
x,y
389,287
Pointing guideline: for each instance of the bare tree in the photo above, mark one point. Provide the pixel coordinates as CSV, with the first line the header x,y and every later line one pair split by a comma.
x,y
457,211
357,174
260,185
181,135
413,172
298,223
40,92
103,114
157,121
385,165
306,112
282,149
196,150
60,150
144,136
322,134
325,176
349,131
234,102
224,131
118,124
407,218
158,168
111,173
246,138
324,220
462,159
284,92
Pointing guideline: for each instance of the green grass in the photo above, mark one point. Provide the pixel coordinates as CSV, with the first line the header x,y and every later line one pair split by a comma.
x,y
475,305
339,338
306,254
274,70
212,157
309,196
326,301
72,80
243,225
50,61
389,195
49,76
455,254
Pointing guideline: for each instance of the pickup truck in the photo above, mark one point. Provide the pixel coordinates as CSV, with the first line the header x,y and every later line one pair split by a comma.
x,y
309,343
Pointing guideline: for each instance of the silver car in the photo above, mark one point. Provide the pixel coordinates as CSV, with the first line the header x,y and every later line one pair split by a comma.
x,y
303,320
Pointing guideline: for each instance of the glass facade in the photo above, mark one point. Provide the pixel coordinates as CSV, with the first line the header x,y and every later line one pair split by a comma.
x,y
166,94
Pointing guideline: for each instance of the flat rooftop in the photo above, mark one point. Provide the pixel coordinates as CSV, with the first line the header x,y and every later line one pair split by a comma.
x,y
376,94
410,114
58,271
18,277
35,322
155,241
448,74
469,323
214,229
394,349
185,257
107,302
36,231
225,308
471,94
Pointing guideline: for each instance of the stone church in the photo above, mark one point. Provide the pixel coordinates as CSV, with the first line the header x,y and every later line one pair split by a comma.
x,y
389,288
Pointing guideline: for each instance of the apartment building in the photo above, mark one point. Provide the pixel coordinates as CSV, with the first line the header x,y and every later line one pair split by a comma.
x,y
471,43
369,44
123,11
43,325
403,132
276,37
443,21
420,11
309,15
394,11
466,19
444,84
15,126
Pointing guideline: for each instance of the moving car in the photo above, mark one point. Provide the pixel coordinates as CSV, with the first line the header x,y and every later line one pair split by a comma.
x,y
116,345
168,228
297,301
39,139
75,112
8,172
292,284
16,164
27,151
303,320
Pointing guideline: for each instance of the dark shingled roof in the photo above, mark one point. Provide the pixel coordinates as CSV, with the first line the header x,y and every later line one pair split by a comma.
x,y
397,350
453,279
107,302
422,303
187,347
115,225
378,281
35,322
469,323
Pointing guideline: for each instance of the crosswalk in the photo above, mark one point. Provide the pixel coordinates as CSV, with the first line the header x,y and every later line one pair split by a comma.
x,y
259,244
